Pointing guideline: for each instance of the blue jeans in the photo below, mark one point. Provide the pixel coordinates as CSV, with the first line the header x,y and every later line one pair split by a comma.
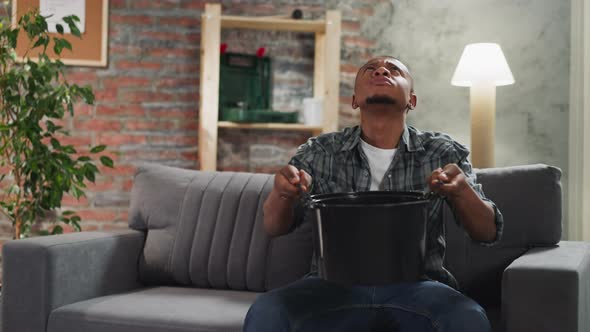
x,y
313,304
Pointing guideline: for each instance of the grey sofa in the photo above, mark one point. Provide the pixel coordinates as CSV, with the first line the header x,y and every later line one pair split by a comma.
x,y
195,258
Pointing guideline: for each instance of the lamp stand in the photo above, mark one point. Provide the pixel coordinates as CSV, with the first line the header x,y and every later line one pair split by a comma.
x,y
483,124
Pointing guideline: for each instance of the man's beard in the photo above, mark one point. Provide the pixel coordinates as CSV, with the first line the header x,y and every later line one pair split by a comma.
x,y
380,100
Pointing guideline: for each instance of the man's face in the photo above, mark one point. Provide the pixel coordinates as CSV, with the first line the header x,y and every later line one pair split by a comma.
x,y
383,80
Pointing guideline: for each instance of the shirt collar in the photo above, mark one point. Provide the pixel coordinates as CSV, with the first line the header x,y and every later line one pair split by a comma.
x,y
352,140
409,139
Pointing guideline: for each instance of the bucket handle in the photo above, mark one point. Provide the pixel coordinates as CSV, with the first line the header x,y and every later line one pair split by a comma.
x,y
320,232
305,198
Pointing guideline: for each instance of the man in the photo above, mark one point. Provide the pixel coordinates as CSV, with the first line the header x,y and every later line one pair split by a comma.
x,y
383,153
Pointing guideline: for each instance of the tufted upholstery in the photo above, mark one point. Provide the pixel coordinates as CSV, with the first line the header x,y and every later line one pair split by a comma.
x,y
201,233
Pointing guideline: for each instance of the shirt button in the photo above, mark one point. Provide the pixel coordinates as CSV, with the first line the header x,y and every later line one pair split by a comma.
x,y
389,176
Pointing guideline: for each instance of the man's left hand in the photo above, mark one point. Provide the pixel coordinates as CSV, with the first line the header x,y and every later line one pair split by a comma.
x,y
449,181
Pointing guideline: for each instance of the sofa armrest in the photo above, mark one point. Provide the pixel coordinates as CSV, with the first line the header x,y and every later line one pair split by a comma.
x,y
44,273
548,289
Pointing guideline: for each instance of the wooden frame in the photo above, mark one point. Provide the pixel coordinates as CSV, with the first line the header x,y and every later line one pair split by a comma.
x,y
326,73
90,50
578,195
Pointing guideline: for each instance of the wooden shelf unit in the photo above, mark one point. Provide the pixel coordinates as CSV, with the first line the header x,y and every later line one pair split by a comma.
x,y
326,76
316,130
273,23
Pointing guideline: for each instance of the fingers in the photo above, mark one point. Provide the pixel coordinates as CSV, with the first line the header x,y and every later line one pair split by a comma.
x,y
447,174
291,173
288,179
305,180
447,181
451,171
434,182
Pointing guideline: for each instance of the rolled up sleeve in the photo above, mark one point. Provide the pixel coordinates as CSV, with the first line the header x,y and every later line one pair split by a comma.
x,y
465,165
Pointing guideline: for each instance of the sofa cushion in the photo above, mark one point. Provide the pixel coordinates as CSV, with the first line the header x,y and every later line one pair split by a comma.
x,y
158,309
529,198
204,229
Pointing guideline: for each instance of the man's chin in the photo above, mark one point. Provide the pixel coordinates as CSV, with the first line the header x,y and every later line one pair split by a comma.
x,y
380,100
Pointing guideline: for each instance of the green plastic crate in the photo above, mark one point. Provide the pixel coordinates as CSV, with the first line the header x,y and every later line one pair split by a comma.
x,y
257,116
244,82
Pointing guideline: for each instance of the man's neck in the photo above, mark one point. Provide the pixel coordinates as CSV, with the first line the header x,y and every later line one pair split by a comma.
x,y
382,128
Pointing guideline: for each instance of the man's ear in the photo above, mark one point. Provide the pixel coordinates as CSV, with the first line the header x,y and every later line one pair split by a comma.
x,y
354,104
413,101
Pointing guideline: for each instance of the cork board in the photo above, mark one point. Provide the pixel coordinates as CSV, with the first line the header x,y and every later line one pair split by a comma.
x,y
90,50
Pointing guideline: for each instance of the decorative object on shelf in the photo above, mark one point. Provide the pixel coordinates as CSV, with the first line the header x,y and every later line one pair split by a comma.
x,y
91,49
244,85
482,67
297,14
245,89
313,109
37,167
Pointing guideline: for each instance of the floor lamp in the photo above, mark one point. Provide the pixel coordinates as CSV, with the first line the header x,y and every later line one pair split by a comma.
x,y
482,67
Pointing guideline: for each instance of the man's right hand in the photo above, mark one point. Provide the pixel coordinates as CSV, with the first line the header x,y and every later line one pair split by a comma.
x,y
287,182
278,207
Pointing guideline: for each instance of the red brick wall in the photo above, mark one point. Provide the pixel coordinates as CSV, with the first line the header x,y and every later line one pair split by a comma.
x,y
147,98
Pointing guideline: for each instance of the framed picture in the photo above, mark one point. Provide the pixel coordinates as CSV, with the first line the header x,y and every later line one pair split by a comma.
x,y
91,49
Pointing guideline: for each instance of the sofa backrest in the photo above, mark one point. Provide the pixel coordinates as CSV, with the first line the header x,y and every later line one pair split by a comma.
x,y
529,198
204,229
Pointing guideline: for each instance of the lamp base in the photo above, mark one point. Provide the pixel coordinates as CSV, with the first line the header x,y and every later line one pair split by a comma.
x,y
483,124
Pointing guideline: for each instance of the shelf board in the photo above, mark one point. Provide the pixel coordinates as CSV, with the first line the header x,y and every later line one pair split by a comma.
x,y
269,126
273,23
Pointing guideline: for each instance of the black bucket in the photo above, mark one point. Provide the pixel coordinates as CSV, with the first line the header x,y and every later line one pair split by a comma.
x,y
370,238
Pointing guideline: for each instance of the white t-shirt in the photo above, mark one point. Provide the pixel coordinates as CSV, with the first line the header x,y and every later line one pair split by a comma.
x,y
379,161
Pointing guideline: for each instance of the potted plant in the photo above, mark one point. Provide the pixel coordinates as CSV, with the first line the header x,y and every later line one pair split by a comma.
x,y
36,168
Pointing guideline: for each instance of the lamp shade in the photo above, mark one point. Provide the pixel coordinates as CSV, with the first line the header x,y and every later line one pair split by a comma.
x,y
482,63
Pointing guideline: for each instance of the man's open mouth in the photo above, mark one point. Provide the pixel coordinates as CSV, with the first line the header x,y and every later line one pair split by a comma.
x,y
381,82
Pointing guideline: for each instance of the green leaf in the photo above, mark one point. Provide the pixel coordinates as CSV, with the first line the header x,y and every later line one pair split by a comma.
x,y
92,167
68,213
87,95
57,229
76,225
84,159
57,45
51,127
66,44
12,36
98,149
106,161
79,177
59,28
89,175
77,193
71,21
55,143
69,149
42,40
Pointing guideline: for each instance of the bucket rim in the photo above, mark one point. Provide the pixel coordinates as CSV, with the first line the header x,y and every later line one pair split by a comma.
x,y
322,200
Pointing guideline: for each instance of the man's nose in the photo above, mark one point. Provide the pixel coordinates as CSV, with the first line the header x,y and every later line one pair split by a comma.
x,y
382,71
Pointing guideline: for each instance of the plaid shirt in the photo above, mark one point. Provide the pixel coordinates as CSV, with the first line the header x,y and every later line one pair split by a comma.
x,y
337,163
